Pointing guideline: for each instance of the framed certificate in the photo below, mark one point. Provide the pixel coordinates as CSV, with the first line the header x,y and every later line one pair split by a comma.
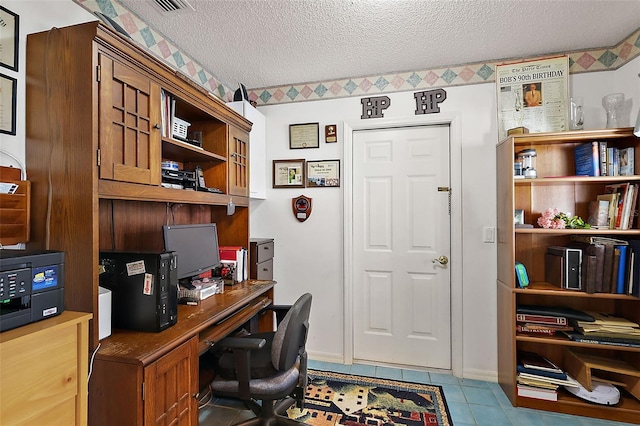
x,y
304,135
8,39
323,174
288,173
8,87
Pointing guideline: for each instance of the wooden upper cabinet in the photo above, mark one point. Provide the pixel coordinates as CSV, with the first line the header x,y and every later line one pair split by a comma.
x,y
238,162
129,124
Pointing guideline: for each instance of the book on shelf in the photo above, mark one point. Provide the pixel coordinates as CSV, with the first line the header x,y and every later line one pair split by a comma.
x,y
622,270
604,170
541,319
587,159
535,361
541,329
536,383
604,320
624,208
568,381
554,311
613,161
634,281
599,214
540,374
603,340
538,393
610,271
612,200
627,160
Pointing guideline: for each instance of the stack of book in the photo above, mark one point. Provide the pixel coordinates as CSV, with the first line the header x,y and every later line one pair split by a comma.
x,y
607,330
540,378
597,159
616,208
546,320
609,265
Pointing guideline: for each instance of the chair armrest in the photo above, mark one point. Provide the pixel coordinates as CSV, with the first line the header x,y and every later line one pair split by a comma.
x,y
243,343
279,310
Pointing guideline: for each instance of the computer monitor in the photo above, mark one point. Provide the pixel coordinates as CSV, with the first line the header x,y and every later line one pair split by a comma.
x,y
196,246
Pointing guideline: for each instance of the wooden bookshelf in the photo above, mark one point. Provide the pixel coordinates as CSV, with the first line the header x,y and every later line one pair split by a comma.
x,y
555,187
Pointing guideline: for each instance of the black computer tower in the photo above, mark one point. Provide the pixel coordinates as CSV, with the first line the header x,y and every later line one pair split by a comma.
x,y
144,289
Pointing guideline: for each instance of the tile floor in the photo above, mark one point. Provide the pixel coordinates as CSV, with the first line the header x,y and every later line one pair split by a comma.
x,y
471,402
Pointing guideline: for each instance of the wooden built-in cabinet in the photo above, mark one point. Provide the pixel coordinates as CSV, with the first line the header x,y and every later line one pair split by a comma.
x,y
556,186
94,147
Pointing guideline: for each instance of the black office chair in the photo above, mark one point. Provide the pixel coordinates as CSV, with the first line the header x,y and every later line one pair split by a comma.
x,y
267,366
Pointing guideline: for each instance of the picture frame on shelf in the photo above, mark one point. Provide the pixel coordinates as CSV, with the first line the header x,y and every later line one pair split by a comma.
x,y
304,135
289,173
9,22
518,217
8,88
323,174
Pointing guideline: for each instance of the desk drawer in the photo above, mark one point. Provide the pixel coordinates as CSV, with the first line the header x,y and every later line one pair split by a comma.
x,y
223,327
264,270
264,251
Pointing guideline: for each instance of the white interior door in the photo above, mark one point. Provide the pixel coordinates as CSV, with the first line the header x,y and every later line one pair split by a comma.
x,y
401,224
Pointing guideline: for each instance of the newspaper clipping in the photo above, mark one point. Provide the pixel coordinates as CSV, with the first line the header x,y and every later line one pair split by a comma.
x,y
534,95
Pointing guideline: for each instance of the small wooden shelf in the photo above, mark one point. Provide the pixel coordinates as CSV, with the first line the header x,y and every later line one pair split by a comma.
x,y
15,214
546,289
187,153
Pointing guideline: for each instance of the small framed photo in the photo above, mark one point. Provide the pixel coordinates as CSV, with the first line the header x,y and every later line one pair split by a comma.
x,y
288,173
8,88
9,39
518,217
323,174
303,136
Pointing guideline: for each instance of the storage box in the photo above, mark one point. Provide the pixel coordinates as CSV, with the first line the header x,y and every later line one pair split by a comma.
x,y
104,313
180,127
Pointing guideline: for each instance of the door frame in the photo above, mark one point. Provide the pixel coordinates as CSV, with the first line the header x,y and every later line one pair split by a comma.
x,y
455,172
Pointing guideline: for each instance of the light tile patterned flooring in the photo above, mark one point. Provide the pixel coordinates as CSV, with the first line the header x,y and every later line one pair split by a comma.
x,y
471,402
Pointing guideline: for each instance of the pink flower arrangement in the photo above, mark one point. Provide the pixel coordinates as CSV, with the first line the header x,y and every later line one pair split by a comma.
x,y
555,219
552,218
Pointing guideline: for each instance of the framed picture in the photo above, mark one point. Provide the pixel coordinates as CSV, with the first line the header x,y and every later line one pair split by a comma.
x,y
8,87
9,39
288,173
323,174
518,217
303,136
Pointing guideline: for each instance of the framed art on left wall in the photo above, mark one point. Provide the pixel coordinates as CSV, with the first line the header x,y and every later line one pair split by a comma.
x,y
9,39
8,87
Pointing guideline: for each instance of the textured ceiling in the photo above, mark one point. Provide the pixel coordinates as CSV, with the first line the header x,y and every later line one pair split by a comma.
x,y
266,43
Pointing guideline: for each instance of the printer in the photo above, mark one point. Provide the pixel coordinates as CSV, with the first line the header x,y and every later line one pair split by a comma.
x,y
31,286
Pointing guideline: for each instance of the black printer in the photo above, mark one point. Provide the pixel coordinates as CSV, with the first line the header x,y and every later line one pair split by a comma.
x,y
31,286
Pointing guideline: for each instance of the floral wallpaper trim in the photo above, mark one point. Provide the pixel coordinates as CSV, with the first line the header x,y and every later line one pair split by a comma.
x,y
598,59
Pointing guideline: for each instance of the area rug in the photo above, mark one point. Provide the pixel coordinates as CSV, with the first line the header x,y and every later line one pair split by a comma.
x,y
348,400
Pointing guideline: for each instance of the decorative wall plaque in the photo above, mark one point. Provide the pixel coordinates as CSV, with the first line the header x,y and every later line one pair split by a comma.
x,y
301,207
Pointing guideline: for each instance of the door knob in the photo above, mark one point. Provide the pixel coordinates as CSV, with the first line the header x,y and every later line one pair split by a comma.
x,y
443,260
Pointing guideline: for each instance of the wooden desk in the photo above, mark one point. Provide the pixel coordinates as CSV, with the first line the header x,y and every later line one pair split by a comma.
x,y
43,371
152,378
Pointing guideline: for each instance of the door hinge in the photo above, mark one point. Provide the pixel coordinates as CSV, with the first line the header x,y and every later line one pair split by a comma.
x,y
98,155
143,391
98,73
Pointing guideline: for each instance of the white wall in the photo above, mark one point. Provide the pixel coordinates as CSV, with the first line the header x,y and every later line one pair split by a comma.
x,y
34,16
309,255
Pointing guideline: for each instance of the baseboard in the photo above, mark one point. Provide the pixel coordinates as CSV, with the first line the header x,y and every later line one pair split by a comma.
x,y
484,375
326,357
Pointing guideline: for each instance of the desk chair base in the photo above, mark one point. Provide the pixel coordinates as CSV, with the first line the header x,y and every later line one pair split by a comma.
x,y
270,414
